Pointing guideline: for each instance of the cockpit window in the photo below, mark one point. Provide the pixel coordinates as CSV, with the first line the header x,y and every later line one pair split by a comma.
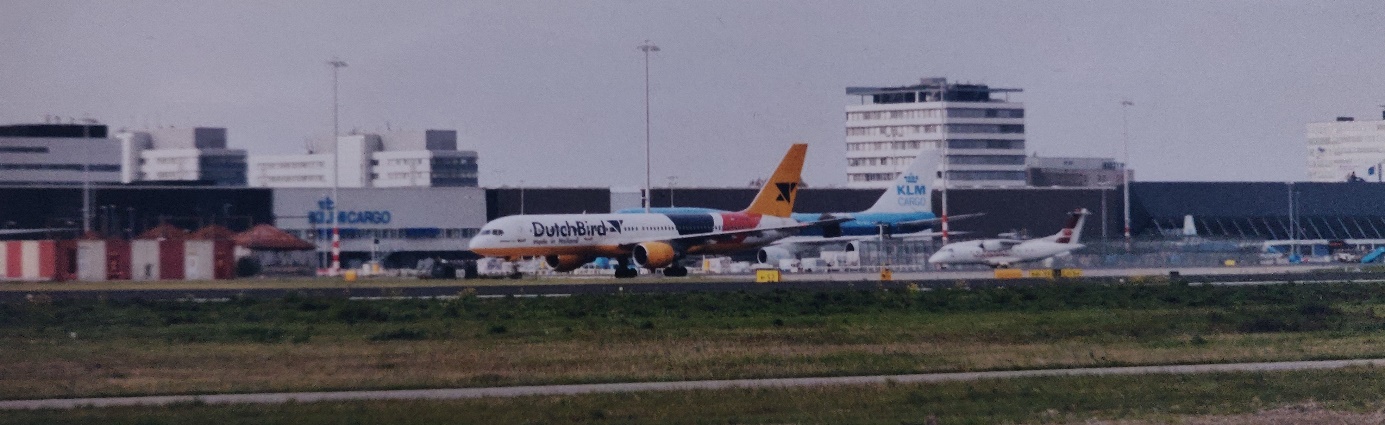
x,y
496,232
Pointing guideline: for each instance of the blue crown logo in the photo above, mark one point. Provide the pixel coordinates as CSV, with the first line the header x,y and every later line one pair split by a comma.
x,y
325,203
911,179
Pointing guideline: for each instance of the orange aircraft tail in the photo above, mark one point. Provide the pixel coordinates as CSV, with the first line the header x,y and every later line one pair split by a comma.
x,y
777,196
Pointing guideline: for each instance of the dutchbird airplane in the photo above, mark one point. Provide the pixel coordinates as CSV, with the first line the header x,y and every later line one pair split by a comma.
x,y
1003,253
655,240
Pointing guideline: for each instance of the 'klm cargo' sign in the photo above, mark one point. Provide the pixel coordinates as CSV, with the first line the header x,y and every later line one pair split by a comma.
x,y
325,206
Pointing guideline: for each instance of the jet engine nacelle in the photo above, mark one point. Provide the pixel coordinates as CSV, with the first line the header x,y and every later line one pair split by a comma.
x,y
992,245
830,230
654,255
853,246
566,263
772,254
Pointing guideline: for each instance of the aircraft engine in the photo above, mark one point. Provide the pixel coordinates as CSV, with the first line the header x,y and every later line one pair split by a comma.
x,y
772,254
654,255
992,245
853,246
830,230
566,263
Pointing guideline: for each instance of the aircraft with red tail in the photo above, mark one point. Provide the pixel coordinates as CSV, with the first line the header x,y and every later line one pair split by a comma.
x,y
1003,253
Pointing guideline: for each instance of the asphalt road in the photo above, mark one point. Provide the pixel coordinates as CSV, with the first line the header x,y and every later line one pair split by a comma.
x,y
548,390
813,282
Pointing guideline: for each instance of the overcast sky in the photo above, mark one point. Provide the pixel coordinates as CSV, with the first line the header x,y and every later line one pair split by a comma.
x,y
551,92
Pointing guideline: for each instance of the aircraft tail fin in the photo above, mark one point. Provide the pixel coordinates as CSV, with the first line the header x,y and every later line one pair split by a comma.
x,y
912,190
1072,232
777,196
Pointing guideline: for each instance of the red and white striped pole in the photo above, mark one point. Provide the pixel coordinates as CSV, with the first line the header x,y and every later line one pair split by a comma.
x,y
335,270
944,228
336,249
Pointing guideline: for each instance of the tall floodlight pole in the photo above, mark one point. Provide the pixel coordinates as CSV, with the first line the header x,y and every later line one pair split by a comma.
x,y
1125,168
1293,226
337,65
86,178
944,184
647,47
671,181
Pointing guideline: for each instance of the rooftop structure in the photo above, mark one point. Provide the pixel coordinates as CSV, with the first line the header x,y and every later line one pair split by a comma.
x,y
396,159
196,154
982,136
54,153
1074,171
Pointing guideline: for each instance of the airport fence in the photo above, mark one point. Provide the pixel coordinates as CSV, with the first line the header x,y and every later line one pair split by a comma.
x,y
903,254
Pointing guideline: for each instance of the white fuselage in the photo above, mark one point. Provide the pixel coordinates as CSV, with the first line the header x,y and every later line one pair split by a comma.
x,y
615,234
1000,252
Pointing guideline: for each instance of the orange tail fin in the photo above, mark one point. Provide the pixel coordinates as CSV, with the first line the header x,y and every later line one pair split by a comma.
x,y
777,196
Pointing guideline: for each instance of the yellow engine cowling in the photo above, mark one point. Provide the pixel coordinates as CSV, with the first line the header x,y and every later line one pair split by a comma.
x,y
566,263
654,255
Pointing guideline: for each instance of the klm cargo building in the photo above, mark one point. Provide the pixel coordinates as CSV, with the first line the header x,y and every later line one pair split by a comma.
x,y
399,225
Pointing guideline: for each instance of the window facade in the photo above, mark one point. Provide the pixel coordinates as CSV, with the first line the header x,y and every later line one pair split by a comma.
x,y
985,175
984,113
986,159
985,144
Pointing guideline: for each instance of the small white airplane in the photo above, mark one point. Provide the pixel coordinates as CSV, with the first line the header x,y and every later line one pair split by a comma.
x,y
654,240
1003,253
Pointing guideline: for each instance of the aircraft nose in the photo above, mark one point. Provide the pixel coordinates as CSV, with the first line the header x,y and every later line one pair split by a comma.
x,y
479,241
937,257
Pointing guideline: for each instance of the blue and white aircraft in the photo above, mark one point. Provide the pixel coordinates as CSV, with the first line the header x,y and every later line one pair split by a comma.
x,y
904,210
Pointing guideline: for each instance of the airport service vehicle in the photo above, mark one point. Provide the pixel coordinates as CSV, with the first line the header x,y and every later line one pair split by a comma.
x,y
1003,253
654,240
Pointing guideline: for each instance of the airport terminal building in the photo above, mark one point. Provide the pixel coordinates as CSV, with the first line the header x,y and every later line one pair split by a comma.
x,y
401,225
1345,149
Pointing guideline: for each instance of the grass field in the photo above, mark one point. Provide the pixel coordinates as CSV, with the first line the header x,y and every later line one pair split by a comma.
x,y
1326,397
310,283
94,348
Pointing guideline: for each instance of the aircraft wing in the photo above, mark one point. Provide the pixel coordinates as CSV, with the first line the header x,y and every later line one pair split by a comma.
x,y
926,234
820,241
938,219
701,238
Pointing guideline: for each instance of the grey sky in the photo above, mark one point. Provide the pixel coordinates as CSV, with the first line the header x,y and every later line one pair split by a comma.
x,y
551,92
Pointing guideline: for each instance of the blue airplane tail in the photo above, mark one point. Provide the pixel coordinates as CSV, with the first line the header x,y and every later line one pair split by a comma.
x,y
911,191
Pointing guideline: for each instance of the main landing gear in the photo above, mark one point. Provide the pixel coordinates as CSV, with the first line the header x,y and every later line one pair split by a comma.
x,y
623,269
675,271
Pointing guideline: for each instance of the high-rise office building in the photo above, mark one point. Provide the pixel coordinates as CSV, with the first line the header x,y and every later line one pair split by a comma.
x,y
981,135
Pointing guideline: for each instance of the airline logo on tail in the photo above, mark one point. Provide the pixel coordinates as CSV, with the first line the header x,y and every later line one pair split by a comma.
x,y
786,191
1073,229
1066,236
910,191
777,196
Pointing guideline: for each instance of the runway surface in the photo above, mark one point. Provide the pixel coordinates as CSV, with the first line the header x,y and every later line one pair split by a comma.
x,y
565,286
549,390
